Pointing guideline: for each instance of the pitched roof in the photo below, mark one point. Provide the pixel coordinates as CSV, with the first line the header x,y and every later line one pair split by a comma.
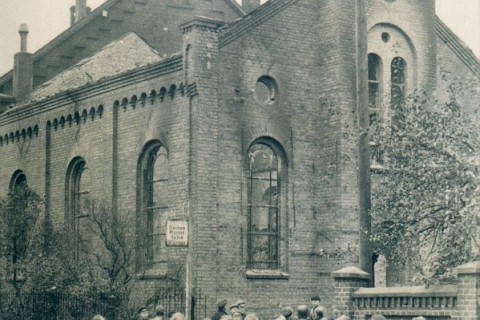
x,y
83,22
127,53
464,53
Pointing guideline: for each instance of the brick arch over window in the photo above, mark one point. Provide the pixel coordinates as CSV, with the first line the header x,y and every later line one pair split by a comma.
x,y
152,205
75,198
390,43
17,181
266,194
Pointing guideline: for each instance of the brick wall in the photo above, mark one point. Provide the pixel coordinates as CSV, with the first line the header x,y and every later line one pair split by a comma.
x,y
309,48
459,301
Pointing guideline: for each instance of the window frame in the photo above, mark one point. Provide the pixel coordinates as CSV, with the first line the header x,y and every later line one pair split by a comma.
x,y
148,212
74,196
277,264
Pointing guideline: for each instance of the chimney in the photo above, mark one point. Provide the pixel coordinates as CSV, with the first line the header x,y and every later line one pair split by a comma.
x,y
23,68
250,5
72,15
80,9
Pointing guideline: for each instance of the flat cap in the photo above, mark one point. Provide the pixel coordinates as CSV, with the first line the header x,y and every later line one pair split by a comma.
x,y
286,312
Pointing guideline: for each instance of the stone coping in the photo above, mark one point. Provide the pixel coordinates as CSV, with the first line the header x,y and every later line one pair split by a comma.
x,y
350,273
469,268
415,291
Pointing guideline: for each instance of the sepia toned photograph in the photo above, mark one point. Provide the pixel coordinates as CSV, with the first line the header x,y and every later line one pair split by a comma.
x,y
240,159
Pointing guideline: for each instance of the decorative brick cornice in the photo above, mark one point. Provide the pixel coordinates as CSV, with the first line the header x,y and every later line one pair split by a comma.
x,y
166,92
76,118
28,133
172,65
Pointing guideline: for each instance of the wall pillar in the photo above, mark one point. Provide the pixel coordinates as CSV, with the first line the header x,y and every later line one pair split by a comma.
x,y
347,281
468,291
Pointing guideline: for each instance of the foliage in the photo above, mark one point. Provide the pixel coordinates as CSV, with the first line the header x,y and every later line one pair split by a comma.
x,y
425,195
111,253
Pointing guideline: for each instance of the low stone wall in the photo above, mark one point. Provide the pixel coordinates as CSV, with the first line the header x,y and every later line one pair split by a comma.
x,y
452,302
406,302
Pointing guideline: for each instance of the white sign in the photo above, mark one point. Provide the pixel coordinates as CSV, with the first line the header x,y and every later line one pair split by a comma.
x,y
177,233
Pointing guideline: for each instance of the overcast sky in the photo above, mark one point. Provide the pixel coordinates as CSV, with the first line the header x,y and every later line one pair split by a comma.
x,y
47,18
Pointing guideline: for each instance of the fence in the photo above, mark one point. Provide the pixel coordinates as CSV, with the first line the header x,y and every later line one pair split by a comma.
x,y
453,302
51,306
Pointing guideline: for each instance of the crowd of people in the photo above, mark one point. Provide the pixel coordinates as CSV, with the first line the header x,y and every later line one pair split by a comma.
x,y
238,311
316,311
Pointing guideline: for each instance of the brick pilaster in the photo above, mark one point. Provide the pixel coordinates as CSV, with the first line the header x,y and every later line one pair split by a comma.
x,y
468,294
347,281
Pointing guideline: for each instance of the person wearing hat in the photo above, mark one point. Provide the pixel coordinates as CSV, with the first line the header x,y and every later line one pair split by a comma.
x,y
251,316
314,302
419,318
220,309
287,312
159,313
378,317
319,313
236,314
242,306
143,313
302,312
98,317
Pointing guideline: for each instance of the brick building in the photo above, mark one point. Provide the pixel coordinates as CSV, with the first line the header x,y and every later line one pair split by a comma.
x,y
250,121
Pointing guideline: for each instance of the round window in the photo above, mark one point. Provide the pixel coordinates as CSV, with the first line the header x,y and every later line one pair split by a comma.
x,y
385,37
266,89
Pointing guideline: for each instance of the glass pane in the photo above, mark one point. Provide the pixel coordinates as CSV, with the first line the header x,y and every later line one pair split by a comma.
x,y
259,191
398,96
160,193
260,247
373,67
259,219
158,223
262,160
398,71
373,89
160,165
158,247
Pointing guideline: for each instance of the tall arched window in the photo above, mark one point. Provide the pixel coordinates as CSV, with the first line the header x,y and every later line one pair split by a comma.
x,y
375,102
398,71
374,81
18,217
264,193
153,203
75,199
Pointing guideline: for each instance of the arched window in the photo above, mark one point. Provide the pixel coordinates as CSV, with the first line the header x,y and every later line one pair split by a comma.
x,y
398,70
375,102
264,193
75,201
18,181
153,203
18,217
374,83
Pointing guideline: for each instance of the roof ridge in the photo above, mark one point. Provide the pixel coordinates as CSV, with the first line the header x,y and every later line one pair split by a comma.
x,y
253,19
464,53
